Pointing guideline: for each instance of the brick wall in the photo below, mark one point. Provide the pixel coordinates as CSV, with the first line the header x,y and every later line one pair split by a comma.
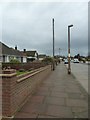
x,y
16,91
25,66
8,78
0,96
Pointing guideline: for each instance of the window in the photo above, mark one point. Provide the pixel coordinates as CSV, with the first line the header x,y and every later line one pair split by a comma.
x,y
0,58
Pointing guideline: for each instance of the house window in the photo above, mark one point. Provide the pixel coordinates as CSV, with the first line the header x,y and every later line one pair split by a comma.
x,y
10,58
0,58
22,59
3,58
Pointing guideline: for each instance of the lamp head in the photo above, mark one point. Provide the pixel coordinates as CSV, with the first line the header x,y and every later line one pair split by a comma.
x,y
70,26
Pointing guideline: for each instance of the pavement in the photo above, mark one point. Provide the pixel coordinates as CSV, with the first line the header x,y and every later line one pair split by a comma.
x,y
59,96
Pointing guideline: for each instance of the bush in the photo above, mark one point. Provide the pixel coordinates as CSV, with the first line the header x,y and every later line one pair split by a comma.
x,y
47,60
21,70
83,60
14,61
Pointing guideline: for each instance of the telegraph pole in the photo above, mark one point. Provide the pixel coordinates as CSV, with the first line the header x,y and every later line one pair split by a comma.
x,y
53,37
59,52
53,44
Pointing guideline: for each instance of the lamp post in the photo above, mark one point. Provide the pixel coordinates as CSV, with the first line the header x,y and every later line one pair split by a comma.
x,y
69,67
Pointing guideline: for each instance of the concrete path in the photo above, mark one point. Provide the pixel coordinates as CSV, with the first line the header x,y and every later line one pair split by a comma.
x,y
59,96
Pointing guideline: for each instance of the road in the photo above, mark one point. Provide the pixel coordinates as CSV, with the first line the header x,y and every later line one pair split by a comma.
x,y
80,71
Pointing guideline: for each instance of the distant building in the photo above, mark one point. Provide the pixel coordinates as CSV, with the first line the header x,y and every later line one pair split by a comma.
x,y
7,54
31,55
41,57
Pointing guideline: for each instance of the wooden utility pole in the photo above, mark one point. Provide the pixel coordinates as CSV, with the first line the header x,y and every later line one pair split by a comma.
x,y
53,45
53,37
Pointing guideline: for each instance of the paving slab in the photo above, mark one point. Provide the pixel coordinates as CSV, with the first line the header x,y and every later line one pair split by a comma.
x,y
37,99
34,108
79,109
46,116
76,96
59,96
26,115
55,101
59,111
43,93
76,103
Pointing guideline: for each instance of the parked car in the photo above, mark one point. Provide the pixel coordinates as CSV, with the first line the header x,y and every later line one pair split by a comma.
x,y
75,61
72,60
65,61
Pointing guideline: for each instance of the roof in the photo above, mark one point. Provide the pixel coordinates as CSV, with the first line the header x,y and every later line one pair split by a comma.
x,y
42,56
31,53
9,51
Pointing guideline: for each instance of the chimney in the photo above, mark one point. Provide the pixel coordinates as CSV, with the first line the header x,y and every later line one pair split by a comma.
x,y
16,47
24,50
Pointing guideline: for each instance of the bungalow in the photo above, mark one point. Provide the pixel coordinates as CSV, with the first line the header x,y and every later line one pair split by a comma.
x,y
41,56
31,55
7,54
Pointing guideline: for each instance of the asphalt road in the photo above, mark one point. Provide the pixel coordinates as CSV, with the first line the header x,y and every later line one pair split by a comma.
x,y
80,71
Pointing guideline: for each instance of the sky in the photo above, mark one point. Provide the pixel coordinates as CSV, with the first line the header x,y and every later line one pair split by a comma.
x,y
29,26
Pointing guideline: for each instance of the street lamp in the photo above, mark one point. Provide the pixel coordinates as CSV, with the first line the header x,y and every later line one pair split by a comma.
x,y
69,67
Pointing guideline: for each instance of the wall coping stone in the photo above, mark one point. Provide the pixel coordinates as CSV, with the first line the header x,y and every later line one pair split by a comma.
x,y
32,74
8,73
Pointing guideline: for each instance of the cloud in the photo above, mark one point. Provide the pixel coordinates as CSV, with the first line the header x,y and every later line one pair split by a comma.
x,y
29,25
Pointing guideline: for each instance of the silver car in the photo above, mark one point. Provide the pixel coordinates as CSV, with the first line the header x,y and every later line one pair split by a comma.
x,y
65,61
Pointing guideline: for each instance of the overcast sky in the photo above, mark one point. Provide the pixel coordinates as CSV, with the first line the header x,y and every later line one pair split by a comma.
x,y
29,26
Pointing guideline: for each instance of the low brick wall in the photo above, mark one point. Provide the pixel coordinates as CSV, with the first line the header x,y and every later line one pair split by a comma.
x,y
15,91
25,66
0,95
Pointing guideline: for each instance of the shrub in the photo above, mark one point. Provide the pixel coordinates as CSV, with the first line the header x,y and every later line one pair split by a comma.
x,y
14,61
21,70
47,60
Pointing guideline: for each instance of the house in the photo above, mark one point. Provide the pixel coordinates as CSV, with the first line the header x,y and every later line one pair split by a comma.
x,y
31,55
41,57
8,53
